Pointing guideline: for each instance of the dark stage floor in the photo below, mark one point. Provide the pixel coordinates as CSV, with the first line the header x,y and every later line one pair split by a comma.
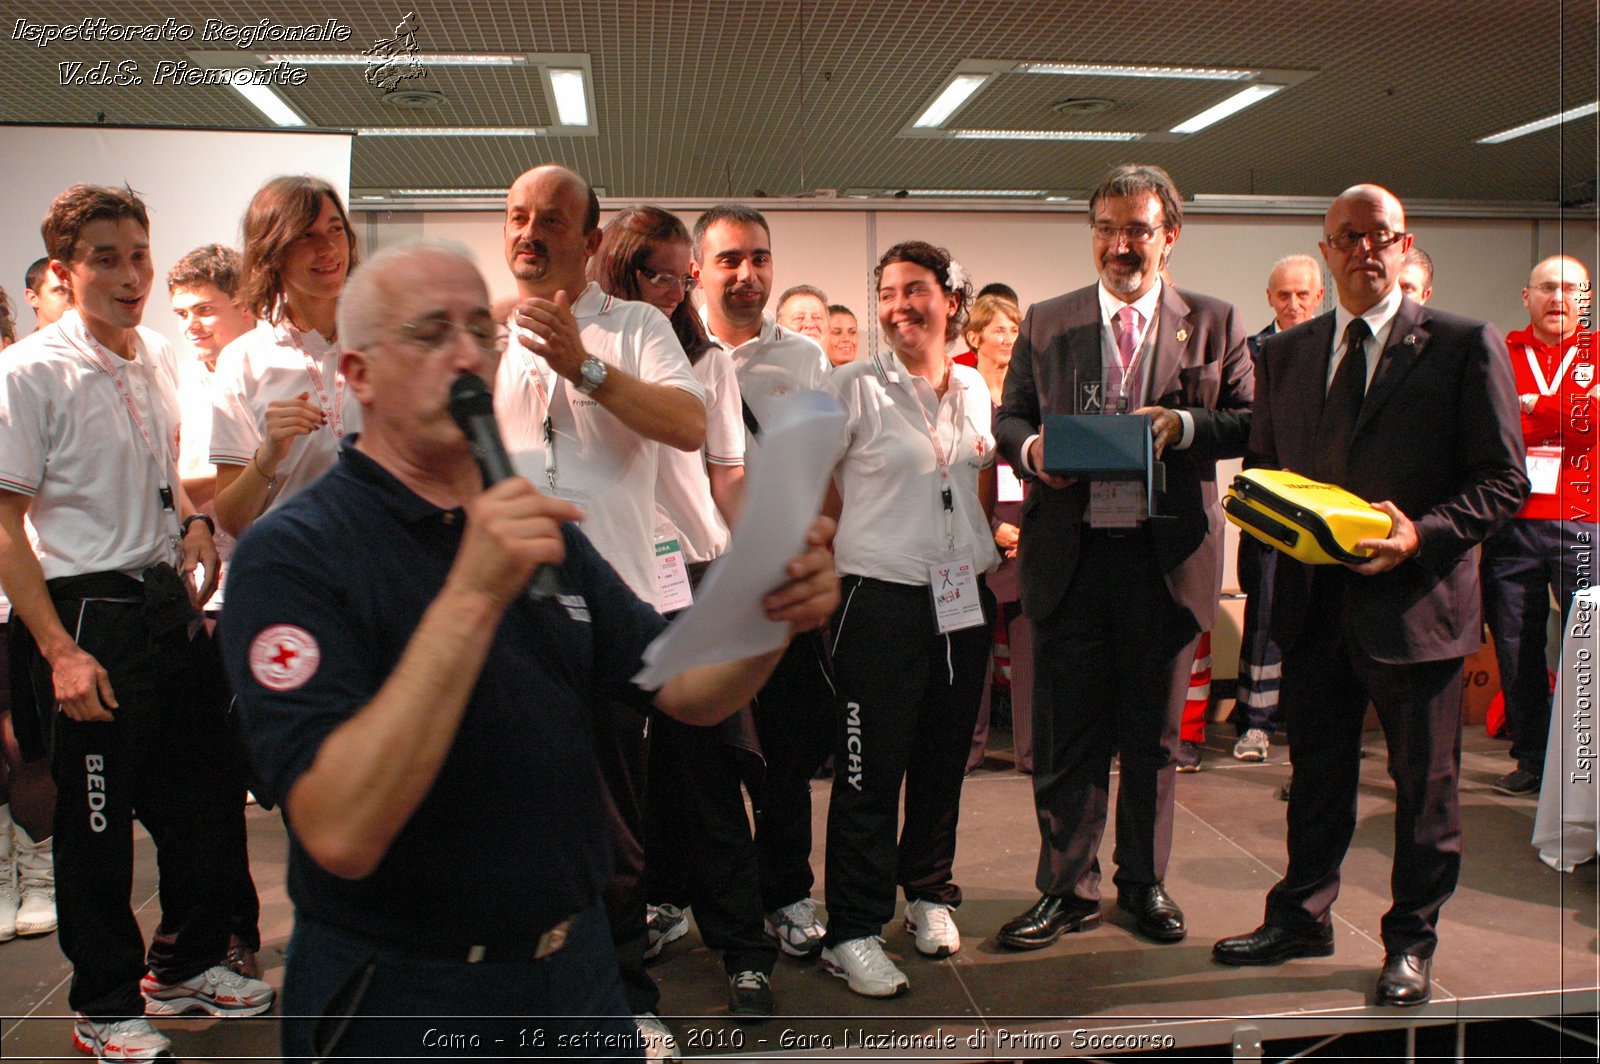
x,y
1518,940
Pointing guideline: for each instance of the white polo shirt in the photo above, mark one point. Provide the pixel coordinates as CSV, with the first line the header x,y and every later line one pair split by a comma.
x,y
683,488
268,363
775,363
596,460
69,441
894,524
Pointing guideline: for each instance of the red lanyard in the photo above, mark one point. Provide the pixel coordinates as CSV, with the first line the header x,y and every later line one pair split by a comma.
x,y
106,362
334,411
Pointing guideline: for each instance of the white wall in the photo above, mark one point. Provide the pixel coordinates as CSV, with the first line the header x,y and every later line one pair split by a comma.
x,y
196,185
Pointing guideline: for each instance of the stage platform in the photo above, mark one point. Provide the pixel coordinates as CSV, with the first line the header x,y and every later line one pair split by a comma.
x,y
1518,940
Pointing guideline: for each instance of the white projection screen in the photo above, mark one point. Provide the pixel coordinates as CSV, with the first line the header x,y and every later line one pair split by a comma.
x,y
196,184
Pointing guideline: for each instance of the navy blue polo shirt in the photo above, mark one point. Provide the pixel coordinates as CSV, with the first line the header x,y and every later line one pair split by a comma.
x,y
324,594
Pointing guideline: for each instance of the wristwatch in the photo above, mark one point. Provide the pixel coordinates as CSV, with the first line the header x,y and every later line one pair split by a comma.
x,y
591,375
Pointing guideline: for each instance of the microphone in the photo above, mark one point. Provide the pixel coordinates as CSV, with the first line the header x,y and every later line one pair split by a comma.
x,y
472,407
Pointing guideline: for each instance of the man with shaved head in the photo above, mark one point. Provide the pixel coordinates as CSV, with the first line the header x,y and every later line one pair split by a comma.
x,y
1552,540
590,387
1416,411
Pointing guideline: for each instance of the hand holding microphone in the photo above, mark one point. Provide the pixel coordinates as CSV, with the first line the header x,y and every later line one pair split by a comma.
x,y
522,524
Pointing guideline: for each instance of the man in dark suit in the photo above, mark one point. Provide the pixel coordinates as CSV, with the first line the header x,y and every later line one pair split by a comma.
x,y
1417,409
1118,598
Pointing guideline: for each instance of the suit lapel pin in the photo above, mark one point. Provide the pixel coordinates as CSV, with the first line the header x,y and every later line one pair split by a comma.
x,y
1410,340
1183,334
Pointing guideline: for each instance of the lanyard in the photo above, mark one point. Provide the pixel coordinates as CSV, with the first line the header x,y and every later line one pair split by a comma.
x,y
334,410
946,493
1549,387
536,369
106,363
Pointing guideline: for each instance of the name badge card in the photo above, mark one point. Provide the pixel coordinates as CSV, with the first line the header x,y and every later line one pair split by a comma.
x,y
1544,469
956,604
1117,503
672,576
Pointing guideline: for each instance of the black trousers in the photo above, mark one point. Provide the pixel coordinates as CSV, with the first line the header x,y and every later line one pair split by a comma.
x,y
794,722
908,700
164,758
1327,682
700,851
1521,562
1111,669
622,753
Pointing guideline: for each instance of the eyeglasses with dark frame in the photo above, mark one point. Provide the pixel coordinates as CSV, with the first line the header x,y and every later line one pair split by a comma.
x,y
1378,238
669,280
436,332
1136,234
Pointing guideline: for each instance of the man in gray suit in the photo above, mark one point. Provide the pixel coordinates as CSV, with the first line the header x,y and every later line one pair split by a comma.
x,y
1119,597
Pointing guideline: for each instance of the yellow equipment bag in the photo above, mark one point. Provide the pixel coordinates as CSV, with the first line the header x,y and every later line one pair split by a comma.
x,y
1310,521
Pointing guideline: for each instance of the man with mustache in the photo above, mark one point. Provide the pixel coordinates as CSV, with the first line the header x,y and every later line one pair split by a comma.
x,y
589,387
1415,410
1118,598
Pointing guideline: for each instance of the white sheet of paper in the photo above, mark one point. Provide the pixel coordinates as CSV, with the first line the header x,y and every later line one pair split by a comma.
x,y
800,444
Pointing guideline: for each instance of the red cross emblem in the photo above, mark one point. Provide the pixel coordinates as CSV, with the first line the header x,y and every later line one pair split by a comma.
x,y
283,657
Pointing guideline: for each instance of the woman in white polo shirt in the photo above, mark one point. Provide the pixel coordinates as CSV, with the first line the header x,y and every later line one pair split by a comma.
x,y
281,406
911,638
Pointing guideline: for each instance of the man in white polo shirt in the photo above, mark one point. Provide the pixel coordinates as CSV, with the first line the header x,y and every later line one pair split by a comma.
x,y
794,712
129,684
589,387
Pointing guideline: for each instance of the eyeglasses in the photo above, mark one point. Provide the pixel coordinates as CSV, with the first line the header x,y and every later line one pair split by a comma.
x,y
670,280
1378,238
1136,234
433,334
1550,288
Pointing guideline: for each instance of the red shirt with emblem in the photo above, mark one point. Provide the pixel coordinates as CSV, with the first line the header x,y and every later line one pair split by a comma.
x,y
1562,419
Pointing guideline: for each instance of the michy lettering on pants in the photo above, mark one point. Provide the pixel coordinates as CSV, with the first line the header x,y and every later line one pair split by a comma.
x,y
852,744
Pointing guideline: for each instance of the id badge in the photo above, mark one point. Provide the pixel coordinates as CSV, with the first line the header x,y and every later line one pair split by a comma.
x,y
672,577
1544,469
1117,504
956,604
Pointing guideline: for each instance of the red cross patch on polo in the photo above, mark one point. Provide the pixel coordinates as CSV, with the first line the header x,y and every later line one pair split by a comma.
x,y
284,657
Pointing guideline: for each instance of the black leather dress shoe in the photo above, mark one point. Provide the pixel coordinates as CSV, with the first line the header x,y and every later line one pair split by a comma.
x,y
1158,916
1051,917
1270,944
1405,980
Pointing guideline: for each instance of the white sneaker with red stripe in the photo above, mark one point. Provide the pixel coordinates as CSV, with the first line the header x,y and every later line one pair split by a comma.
x,y
217,990
123,1040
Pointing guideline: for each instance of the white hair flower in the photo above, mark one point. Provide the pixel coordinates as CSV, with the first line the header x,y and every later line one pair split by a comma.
x,y
958,276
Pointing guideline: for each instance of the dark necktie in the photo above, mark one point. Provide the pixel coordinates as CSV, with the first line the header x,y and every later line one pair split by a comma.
x,y
1337,427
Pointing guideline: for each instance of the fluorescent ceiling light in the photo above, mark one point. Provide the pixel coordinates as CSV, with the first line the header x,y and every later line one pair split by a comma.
x,y
1040,134
958,92
1544,123
572,104
1120,70
269,103
461,59
453,131
1017,193
1232,105
448,192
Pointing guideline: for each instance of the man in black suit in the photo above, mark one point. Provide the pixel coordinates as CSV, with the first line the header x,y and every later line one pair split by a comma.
x,y
1118,598
1416,408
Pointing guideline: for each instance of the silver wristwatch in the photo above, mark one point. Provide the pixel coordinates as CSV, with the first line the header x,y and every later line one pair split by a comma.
x,y
591,375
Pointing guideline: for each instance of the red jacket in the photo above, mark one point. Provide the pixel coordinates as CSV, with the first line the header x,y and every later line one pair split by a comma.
x,y
1565,419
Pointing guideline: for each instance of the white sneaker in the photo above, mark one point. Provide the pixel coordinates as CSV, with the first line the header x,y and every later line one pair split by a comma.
x,y
934,927
663,924
796,927
655,1039
218,990
36,882
1252,745
9,899
131,1039
868,969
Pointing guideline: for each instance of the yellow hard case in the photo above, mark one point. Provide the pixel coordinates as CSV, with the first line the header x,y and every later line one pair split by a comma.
x,y
1310,521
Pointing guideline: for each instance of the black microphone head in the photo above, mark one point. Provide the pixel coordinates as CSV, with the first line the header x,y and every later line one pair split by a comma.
x,y
470,398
